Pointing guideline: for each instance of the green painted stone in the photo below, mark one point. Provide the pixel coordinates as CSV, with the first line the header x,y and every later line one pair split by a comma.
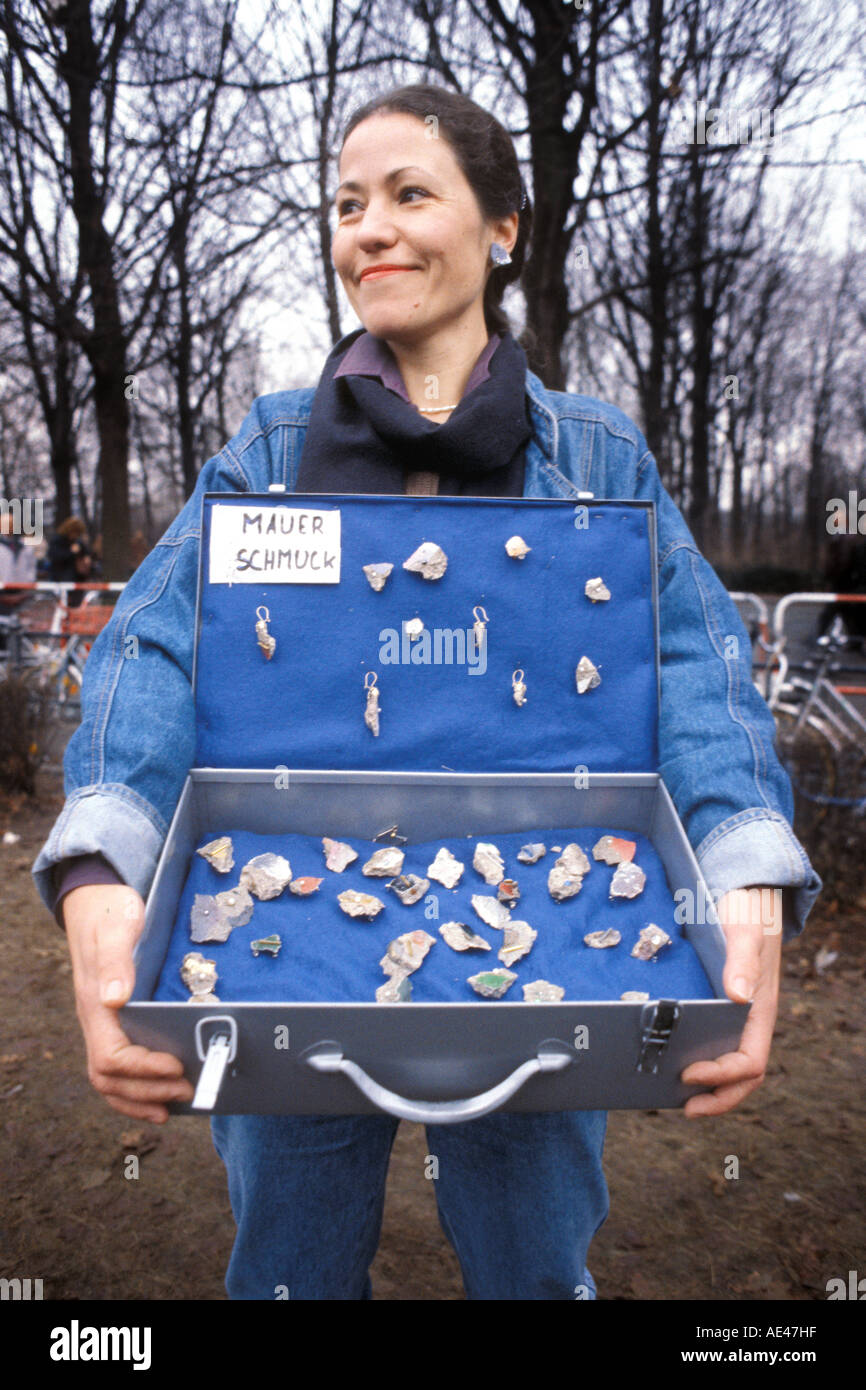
x,y
492,984
267,945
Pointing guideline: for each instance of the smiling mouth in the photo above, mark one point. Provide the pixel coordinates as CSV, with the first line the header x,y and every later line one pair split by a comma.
x,y
388,270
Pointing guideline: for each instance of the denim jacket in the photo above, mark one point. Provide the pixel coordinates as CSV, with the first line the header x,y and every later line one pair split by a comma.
x,y
126,764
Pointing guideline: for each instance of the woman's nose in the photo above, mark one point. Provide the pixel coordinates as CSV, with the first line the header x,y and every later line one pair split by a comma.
x,y
376,227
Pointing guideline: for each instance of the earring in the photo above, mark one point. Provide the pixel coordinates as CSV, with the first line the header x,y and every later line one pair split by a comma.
x,y
479,626
263,637
499,255
518,686
371,712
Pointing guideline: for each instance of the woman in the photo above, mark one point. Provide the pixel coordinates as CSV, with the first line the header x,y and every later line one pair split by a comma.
x,y
429,207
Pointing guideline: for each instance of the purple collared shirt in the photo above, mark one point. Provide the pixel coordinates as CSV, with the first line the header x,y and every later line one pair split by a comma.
x,y
369,356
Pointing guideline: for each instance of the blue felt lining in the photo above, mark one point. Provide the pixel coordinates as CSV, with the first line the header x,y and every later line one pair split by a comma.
x,y
305,707
329,957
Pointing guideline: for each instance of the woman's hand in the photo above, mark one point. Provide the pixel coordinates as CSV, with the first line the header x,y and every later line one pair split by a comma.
x,y
103,923
751,919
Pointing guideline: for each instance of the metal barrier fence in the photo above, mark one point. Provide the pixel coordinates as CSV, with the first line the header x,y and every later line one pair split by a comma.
x,y
768,632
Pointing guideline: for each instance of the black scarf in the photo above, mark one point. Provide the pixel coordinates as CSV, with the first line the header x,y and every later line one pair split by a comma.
x,y
363,437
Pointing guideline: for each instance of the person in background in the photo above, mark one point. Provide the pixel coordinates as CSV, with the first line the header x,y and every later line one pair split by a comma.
x,y
70,560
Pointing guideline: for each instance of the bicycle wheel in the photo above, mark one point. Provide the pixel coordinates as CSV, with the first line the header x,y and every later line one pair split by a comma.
x,y
810,762
850,789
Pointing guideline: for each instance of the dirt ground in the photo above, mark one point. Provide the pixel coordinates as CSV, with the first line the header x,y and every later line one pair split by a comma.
x,y
678,1229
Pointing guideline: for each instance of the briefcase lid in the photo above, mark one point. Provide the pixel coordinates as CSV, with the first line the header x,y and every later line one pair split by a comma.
x,y
446,701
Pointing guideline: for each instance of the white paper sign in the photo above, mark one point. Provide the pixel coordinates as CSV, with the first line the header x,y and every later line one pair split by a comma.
x,y
274,545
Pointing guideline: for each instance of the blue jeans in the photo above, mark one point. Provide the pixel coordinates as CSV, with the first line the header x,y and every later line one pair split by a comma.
x,y
520,1197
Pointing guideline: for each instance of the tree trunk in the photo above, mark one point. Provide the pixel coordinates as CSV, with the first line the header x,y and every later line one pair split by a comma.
x,y
702,346
654,421
554,156
106,345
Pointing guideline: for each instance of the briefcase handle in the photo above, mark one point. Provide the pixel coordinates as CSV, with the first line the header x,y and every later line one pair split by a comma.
x,y
551,1055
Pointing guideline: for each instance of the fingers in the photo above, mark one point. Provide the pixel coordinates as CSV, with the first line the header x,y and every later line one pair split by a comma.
x,y
124,1070
751,973
155,1114
103,922
721,1100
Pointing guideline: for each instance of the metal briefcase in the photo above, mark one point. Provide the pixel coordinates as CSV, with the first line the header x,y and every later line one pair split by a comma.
x,y
283,753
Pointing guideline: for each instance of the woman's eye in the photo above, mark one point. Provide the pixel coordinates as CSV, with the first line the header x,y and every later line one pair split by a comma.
x,y
422,191
349,204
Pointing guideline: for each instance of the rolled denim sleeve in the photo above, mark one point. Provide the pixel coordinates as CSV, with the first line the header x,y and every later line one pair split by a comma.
x,y
125,765
716,732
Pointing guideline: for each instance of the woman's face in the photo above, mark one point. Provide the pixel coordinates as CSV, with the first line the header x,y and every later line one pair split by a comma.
x,y
404,201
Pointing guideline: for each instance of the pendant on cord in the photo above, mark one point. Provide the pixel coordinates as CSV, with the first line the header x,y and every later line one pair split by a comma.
x,y
371,711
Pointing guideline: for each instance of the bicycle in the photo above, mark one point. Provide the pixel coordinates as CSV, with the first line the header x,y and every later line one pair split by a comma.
x,y
821,737
48,637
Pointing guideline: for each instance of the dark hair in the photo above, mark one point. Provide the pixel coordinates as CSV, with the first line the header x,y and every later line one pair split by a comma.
x,y
485,152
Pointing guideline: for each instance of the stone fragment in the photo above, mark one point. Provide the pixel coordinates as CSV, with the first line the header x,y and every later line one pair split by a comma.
x,y
574,859
628,880
409,888
508,892
207,922
650,941
530,854
492,984
338,854
487,861
303,887
462,938
601,940
219,854
236,904
491,911
610,850
586,675
397,990
407,952
446,869
562,884
413,627
429,560
634,996
384,863
518,939
200,977
377,575
266,875
597,590
542,992
267,945
356,904
517,548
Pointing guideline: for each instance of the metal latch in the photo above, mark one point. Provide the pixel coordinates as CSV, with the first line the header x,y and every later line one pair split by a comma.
x,y
658,1021
222,1048
276,487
